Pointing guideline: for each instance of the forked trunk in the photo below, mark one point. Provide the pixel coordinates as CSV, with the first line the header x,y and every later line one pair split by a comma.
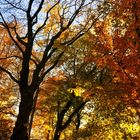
x,y
21,129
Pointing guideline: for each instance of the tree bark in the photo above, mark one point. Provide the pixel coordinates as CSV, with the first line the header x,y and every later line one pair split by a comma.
x,y
21,129
57,134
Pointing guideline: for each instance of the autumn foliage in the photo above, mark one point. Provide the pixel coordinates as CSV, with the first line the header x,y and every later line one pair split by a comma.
x,y
70,70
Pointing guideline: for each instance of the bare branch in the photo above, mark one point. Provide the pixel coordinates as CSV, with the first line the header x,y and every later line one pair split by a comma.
x,y
17,35
13,56
46,18
48,47
73,114
38,10
19,57
13,5
9,32
9,73
51,53
81,32
75,14
73,39
55,63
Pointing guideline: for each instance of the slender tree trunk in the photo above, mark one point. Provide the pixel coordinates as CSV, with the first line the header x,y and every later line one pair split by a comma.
x,y
20,131
57,134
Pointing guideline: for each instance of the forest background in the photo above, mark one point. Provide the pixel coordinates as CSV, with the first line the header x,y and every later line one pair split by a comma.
x,y
69,69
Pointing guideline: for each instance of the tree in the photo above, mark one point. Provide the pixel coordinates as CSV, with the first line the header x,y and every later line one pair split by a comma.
x,y
117,49
35,64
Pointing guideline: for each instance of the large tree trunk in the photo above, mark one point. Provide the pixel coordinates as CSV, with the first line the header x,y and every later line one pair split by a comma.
x,y
21,128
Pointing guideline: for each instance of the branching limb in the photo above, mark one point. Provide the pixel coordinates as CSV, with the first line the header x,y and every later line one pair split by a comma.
x,y
50,68
73,114
16,7
46,18
38,10
75,14
80,33
17,35
19,57
10,74
9,32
